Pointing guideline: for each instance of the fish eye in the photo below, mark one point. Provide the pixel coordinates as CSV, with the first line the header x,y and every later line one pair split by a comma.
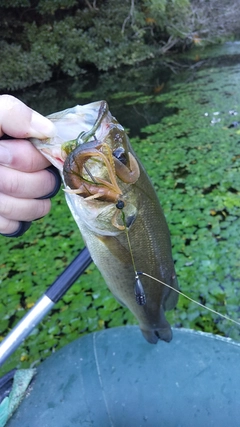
x,y
120,154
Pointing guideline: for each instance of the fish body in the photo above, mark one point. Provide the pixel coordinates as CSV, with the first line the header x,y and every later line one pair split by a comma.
x,y
117,211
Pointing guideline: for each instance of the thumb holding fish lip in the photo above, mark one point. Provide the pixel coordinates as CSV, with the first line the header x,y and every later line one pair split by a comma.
x,y
20,121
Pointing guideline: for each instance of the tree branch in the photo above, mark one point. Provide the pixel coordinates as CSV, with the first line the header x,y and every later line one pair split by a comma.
x,y
129,17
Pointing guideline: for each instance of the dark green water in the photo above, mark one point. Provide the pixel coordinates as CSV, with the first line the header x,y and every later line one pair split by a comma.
x,y
119,88
182,126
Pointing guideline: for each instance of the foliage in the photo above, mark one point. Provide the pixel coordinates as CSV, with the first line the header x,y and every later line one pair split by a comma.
x,y
42,40
64,37
193,159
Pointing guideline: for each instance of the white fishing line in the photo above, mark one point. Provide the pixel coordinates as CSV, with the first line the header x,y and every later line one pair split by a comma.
x,y
190,299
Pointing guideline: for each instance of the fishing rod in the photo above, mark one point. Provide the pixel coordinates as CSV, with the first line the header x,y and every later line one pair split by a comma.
x,y
53,294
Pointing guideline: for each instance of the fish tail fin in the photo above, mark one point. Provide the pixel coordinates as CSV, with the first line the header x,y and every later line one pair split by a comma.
x,y
160,329
153,335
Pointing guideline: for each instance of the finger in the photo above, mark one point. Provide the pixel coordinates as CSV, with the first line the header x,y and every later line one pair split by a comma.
x,y
23,226
7,226
21,155
20,121
23,209
26,185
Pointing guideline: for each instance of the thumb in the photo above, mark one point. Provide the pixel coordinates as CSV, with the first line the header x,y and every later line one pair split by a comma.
x,y
20,121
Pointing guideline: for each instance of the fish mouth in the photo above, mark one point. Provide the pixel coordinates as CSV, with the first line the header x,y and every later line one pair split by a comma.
x,y
92,152
97,163
86,129
91,174
69,125
96,174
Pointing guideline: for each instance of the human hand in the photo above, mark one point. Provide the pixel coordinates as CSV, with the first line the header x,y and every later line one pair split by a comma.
x,y
25,184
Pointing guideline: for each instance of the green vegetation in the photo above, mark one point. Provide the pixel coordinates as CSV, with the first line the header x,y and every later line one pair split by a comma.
x,y
193,159
42,40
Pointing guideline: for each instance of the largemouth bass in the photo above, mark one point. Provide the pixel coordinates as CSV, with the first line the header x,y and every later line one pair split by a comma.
x,y
117,211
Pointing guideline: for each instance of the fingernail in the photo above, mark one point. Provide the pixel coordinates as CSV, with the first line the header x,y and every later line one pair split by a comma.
x,y
41,127
5,155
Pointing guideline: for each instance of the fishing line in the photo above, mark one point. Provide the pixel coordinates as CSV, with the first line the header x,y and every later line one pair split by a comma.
x,y
189,298
89,173
139,291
